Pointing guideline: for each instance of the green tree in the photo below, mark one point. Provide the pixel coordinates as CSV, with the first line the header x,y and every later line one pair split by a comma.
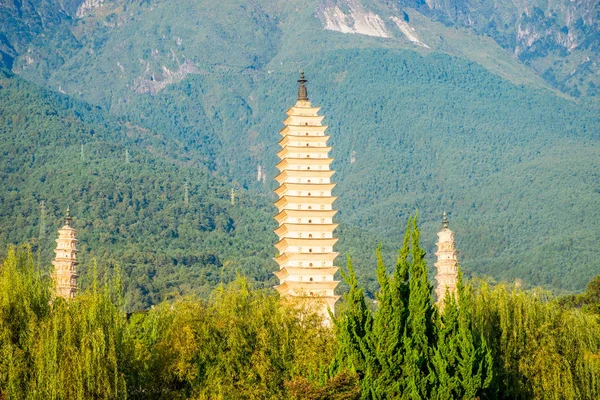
x,y
419,335
541,350
462,360
390,324
24,305
352,328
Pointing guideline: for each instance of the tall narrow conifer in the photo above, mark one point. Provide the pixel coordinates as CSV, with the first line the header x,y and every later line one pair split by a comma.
x,y
353,326
390,323
419,332
462,361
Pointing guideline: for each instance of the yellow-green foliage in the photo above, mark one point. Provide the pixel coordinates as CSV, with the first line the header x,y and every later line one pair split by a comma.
x,y
24,298
541,349
53,349
241,343
247,344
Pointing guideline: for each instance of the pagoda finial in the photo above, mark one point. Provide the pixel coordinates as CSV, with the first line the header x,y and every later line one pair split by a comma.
x,y
445,221
302,92
68,217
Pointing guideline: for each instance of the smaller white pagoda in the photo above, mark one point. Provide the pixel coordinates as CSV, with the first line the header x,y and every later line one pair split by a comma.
x,y
447,263
65,262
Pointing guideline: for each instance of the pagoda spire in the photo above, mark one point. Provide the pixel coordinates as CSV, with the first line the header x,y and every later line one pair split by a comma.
x,y
305,218
68,216
302,91
447,263
65,261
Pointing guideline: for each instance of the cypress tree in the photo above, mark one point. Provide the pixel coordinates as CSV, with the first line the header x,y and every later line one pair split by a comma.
x,y
419,335
353,327
390,323
463,362
445,356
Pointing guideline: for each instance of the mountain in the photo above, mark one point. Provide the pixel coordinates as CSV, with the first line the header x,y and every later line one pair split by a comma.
x,y
559,40
555,42
140,203
426,110
126,188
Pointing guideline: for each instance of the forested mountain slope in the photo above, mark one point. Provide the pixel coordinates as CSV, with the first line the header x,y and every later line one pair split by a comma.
x,y
424,114
560,40
126,188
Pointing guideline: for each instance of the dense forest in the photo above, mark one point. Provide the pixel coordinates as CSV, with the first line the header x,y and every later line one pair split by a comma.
x,y
488,342
139,200
519,182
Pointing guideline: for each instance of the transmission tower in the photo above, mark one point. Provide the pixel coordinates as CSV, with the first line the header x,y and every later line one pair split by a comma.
x,y
42,221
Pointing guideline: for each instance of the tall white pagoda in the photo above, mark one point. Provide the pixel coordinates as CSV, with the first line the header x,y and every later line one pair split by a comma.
x,y
447,263
65,263
305,202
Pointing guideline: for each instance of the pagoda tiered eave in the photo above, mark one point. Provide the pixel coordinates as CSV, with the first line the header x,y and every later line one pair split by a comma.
x,y
285,200
308,187
298,174
307,286
303,271
311,140
65,259
308,257
303,120
302,130
292,151
453,253
311,243
285,214
285,229
310,162
303,108
59,249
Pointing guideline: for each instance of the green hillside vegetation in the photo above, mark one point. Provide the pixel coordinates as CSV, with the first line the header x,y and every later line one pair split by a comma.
x,y
516,168
125,186
131,212
558,40
491,342
514,165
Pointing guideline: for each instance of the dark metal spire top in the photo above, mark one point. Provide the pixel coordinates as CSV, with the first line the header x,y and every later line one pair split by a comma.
x,y
445,221
302,92
68,217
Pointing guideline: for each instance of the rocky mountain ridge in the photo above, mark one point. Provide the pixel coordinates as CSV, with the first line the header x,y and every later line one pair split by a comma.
x,y
558,41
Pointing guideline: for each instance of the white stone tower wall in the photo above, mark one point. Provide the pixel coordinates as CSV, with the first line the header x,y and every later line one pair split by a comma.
x,y
65,262
447,263
306,241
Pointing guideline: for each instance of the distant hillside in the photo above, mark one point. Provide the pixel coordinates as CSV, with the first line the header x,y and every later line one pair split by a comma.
x,y
559,40
425,113
529,42
126,190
